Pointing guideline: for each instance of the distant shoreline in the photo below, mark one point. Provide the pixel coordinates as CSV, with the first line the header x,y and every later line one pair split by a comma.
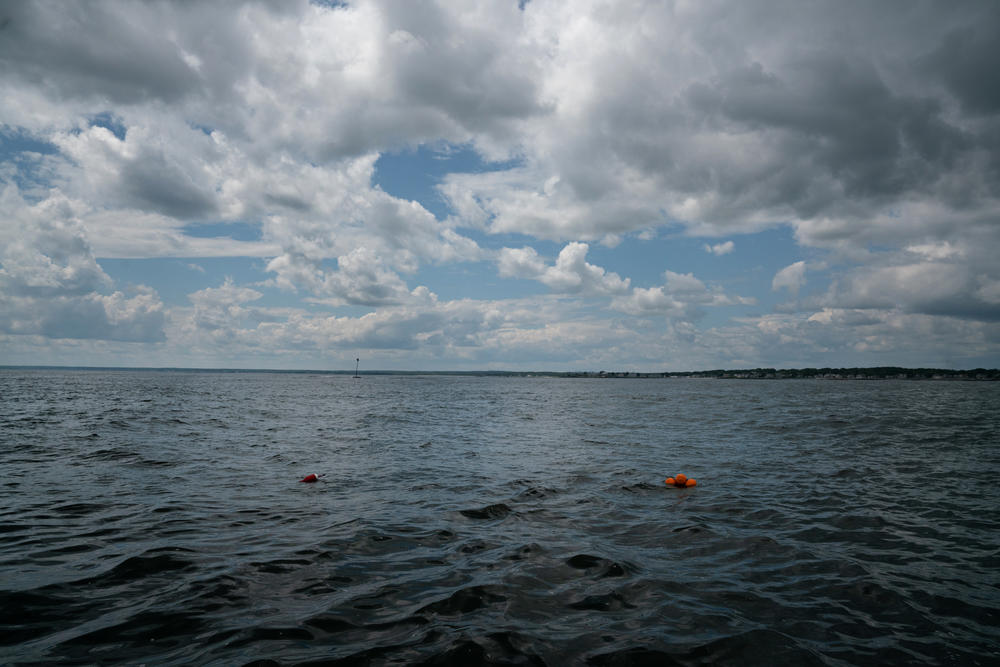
x,y
872,373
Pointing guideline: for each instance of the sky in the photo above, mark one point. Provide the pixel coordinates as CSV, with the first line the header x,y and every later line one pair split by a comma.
x,y
501,185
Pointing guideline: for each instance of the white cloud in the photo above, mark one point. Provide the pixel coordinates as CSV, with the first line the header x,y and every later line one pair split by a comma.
x,y
45,249
116,316
792,277
681,297
705,118
930,287
162,170
683,283
222,308
936,251
635,122
51,284
652,301
571,273
520,263
702,116
989,290
720,248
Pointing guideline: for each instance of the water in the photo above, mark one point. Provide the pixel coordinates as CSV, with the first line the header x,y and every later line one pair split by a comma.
x,y
156,517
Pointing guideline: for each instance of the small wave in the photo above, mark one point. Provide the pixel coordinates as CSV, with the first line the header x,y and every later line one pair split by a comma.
x,y
27,615
268,634
692,529
641,487
464,539
78,509
536,493
525,552
755,647
466,600
281,565
613,601
500,648
150,563
109,454
146,633
495,511
601,567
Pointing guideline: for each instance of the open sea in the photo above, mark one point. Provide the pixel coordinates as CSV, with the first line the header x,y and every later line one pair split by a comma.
x,y
157,517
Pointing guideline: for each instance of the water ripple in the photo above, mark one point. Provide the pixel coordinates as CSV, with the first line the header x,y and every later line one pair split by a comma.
x,y
158,517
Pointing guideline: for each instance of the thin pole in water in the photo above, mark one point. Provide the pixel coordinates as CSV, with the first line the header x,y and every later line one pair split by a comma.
x,y
356,365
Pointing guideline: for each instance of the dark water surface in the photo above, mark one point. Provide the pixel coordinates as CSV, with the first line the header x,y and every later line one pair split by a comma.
x,y
156,517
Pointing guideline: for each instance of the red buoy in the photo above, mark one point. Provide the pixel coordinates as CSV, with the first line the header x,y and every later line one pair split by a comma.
x,y
310,478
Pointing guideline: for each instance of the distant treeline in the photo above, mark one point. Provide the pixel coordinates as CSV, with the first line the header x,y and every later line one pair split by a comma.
x,y
876,373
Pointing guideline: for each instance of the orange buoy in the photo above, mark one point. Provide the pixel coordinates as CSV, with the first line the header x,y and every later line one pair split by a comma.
x,y
310,478
681,481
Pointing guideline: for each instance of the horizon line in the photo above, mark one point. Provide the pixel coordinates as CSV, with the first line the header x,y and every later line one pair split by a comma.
x,y
490,371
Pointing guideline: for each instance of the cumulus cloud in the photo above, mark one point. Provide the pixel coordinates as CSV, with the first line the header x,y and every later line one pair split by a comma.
x,y
874,141
520,263
894,335
51,284
792,277
929,287
571,273
720,248
706,118
989,290
142,171
222,307
682,296
465,330
116,316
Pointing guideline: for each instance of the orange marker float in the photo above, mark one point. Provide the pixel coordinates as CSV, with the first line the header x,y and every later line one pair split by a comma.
x,y
680,481
310,478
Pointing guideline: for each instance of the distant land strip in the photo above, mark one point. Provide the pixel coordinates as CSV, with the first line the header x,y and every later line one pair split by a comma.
x,y
873,373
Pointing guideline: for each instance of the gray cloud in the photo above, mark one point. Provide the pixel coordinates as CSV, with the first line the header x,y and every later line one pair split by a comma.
x,y
151,182
93,50
480,80
928,288
116,317
861,139
871,129
965,60
725,123
146,170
